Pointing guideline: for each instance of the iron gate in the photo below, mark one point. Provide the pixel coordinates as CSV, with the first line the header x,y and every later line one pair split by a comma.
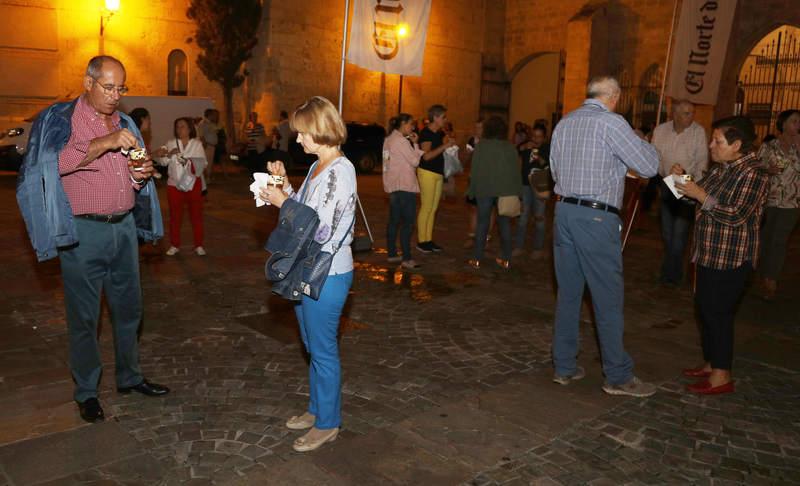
x,y
770,81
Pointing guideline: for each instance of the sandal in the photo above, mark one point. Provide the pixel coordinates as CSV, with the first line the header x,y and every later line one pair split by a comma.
x,y
302,422
306,444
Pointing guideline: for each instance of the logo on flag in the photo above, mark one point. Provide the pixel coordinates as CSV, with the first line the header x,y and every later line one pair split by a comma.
x,y
701,43
389,35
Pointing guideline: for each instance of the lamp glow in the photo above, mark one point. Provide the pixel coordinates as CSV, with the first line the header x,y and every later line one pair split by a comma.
x,y
112,5
403,30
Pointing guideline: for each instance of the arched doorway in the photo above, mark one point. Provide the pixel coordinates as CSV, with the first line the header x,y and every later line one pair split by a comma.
x,y
177,73
638,102
769,81
534,90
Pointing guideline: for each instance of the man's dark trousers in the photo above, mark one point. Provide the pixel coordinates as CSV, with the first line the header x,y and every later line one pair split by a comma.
x,y
587,250
105,259
676,220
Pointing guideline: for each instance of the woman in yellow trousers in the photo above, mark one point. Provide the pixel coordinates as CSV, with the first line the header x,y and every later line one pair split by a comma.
x,y
431,176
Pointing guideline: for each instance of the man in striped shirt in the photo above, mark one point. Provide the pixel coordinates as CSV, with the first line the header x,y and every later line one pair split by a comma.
x,y
591,151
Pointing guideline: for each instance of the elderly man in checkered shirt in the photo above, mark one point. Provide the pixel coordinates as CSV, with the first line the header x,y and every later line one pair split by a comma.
x,y
591,151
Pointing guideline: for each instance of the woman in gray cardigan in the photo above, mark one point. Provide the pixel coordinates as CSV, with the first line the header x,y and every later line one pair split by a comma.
x,y
495,173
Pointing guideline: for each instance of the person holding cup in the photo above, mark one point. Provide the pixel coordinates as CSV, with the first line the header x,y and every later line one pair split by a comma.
x,y
184,157
730,201
329,189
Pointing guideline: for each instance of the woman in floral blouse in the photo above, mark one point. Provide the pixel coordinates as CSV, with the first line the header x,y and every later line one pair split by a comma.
x,y
781,157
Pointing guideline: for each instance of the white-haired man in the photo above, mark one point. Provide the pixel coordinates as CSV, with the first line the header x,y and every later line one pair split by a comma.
x,y
591,151
682,146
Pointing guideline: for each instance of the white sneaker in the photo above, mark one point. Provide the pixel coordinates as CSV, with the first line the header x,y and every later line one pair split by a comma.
x,y
200,251
172,251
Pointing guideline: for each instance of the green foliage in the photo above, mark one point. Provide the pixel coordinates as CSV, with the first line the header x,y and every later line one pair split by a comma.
x,y
226,31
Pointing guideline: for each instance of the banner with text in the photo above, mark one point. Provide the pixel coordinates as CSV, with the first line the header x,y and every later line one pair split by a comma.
x,y
389,35
701,42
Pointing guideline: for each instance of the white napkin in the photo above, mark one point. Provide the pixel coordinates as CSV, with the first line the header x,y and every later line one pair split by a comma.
x,y
261,179
670,182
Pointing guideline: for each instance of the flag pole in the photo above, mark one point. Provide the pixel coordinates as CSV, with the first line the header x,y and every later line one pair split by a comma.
x,y
666,64
344,52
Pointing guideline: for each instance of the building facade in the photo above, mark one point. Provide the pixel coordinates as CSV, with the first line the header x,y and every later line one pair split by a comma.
x,y
524,59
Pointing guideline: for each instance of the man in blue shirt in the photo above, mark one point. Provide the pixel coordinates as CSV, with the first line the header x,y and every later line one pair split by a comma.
x,y
591,151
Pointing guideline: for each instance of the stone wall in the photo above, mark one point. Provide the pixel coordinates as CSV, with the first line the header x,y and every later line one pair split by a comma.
x,y
631,34
300,57
48,44
637,36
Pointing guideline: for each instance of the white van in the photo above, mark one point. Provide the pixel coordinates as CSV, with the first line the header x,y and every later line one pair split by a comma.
x,y
163,112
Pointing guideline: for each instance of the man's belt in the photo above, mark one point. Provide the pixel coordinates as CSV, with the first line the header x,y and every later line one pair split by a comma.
x,y
104,218
588,203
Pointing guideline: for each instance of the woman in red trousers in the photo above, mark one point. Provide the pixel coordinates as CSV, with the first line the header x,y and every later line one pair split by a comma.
x,y
185,158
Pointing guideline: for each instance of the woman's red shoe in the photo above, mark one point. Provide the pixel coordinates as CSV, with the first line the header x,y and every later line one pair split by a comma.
x,y
705,388
697,372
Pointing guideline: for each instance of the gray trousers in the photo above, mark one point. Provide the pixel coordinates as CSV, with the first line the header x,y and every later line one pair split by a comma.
x,y
778,226
106,259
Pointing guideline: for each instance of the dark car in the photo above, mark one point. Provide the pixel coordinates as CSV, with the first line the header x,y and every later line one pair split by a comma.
x,y
364,147
13,142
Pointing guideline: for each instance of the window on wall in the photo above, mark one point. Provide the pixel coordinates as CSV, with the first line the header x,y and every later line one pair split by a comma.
x,y
177,74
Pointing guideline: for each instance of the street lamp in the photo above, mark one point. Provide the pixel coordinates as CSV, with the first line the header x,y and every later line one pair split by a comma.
x,y
111,7
402,32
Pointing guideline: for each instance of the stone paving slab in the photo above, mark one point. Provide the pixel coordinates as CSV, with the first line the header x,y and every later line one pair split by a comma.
x,y
58,455
384,457
476,344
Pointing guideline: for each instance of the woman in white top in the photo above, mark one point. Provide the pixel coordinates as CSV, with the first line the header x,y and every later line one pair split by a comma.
x,y
184,157
330,189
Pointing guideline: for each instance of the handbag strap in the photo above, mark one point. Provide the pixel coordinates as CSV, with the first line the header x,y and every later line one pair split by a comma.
x,y
341,242
301,200
305,182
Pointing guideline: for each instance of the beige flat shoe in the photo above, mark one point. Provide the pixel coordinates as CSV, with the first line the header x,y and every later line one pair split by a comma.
x,y
306,443
302,422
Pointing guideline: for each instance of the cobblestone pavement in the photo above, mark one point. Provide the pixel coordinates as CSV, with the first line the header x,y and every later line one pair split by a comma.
x,y
446,373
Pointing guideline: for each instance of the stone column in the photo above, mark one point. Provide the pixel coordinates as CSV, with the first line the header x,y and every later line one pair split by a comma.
x,y
578,53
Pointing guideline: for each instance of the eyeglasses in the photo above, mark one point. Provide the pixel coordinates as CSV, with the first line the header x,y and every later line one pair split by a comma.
x,y
108,89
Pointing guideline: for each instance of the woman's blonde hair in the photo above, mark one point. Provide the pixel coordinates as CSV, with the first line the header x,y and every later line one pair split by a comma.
x,y
320,119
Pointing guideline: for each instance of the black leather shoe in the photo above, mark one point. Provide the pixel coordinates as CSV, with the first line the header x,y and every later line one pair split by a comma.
x,y
91,411
145,388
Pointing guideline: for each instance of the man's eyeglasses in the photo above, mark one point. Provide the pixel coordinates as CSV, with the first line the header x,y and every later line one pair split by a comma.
x,y
108,89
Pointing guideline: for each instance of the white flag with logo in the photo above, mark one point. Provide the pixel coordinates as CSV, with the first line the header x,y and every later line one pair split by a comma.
x,y
389,35
701,42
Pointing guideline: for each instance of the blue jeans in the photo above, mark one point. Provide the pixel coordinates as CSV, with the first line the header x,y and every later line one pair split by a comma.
x,y
531,203
319,326
587,250
485,206
402,213
106,260
676,219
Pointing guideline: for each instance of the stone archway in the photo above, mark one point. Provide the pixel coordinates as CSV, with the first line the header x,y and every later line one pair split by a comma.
x,y
769,79
535,88
753,21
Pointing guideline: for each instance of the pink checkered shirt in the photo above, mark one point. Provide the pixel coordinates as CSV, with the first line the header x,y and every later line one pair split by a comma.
x,y
104,186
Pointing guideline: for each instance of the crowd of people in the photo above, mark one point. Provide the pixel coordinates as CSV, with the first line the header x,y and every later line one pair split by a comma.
x,y
743,205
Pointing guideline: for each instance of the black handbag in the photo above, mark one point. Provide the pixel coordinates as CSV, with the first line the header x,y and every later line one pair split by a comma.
x,y
316,267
